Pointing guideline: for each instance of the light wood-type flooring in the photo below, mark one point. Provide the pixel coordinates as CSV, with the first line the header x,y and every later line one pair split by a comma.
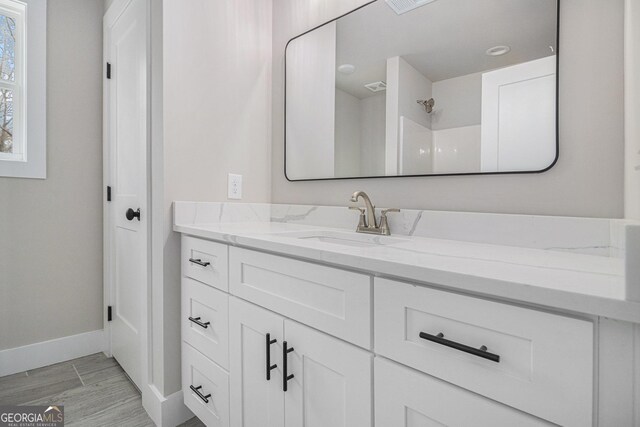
x,y
94,390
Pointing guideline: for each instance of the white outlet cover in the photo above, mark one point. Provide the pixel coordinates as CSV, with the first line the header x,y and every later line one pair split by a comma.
x,y
234,187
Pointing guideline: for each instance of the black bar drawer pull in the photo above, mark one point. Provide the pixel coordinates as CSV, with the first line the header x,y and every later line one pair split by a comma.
x,y
270,367
480,352
197,321
285,376
196,390
199,262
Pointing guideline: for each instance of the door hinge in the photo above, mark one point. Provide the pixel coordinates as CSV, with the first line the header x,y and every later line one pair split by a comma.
x,y
108,193
108,70
109,314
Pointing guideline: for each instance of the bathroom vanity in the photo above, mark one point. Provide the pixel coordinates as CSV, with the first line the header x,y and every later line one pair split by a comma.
x,y
288,322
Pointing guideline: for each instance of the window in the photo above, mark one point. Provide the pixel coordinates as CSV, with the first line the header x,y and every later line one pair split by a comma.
x,y
12,78
23,88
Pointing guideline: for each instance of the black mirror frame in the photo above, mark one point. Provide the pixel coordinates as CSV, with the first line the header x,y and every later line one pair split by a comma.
x,y
555,161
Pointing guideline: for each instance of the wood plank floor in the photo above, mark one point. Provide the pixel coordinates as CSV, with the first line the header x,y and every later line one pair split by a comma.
x,y
94,390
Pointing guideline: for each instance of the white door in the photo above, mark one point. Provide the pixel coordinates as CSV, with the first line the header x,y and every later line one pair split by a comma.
x,y
256,401
331,384
126,51
519,117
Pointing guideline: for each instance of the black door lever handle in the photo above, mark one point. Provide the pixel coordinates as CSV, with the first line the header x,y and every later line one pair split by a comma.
x,y
131,214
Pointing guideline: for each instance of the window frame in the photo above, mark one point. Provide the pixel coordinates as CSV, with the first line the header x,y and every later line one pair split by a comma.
x,y
34,92
18,11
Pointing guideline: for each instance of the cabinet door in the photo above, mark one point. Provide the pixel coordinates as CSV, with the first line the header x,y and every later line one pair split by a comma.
x,y
331,384
407,398
255,401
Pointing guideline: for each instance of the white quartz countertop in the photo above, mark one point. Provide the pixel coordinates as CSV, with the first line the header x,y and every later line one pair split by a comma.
x,y
580,283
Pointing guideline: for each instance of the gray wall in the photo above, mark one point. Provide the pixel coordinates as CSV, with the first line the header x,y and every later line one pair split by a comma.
x,y
458,102
51,230
588,178
217,104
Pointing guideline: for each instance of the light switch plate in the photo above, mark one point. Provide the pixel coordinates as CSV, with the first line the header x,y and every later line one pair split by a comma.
x,y
235,186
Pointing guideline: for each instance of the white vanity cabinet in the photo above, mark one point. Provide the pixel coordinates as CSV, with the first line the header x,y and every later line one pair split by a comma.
x,y
205,319
256,337
332,383
206,262
406,398
205,330
537,362
332,300
206,388
228,342
273,341
328,382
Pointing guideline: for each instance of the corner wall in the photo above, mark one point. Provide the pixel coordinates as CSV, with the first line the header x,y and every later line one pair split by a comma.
x,y
588,178
217,120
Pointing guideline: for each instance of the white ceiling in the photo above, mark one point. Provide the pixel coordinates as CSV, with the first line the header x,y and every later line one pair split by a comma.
x,y
444,39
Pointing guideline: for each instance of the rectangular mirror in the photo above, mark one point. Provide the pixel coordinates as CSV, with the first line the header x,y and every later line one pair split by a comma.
x,y
424,87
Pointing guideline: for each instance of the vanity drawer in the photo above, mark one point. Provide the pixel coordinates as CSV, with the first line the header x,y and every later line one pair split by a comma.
x,y
546,361
205,320
210,401
205,261
404,397
331,300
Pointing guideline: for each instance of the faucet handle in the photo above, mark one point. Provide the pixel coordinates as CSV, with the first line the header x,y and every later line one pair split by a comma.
x,y
384,223
384,212
362,222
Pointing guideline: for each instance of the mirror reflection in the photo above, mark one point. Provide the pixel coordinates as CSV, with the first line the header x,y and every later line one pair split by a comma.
x,y
447,87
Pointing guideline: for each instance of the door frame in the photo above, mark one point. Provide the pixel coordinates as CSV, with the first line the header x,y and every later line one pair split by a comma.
x,y
631,111
111,16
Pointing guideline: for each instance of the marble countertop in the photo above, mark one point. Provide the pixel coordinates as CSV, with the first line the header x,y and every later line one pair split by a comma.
x,y
580,283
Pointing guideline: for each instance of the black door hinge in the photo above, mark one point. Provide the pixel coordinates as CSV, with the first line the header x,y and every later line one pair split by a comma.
x,y
109,314
108,70
108,193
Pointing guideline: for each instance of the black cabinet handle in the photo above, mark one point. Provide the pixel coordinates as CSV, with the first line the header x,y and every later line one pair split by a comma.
x,y
270,367
285,376
199,262
197,321
196,390
480,352
131,214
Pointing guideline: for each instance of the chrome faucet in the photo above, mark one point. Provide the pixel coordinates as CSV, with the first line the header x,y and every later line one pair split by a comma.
x,y
367,222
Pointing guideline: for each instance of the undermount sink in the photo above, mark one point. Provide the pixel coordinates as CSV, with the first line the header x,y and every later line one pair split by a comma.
x,y
343,238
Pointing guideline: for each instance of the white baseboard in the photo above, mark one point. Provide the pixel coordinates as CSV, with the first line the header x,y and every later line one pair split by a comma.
x,y
167,411
47,353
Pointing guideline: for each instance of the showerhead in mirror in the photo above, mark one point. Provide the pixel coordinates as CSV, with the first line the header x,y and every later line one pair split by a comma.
x,y
428,104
